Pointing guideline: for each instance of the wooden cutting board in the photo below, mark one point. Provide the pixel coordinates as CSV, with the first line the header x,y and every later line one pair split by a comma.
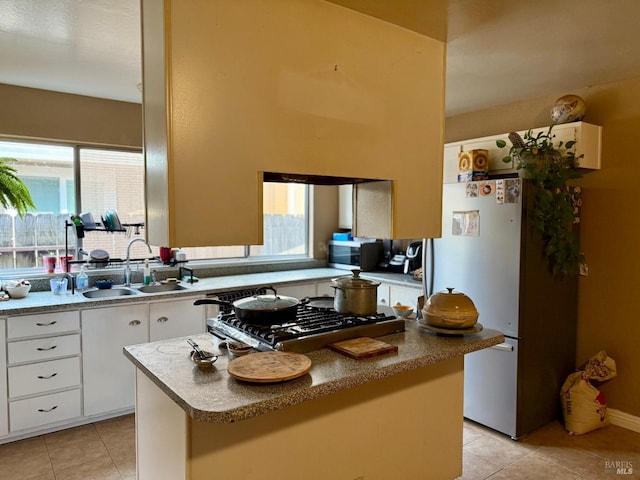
x,y
269,367
363,347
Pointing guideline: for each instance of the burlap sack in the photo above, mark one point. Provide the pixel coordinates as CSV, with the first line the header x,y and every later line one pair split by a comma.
x,y
583,406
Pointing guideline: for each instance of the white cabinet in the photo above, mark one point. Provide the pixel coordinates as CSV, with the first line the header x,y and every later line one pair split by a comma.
x,y
324,289
390,295
41,349
588,139
404,295
383,294
41,377
108,376
304,290
345,206
44,384
44,409
43,324
4,420
299,290
175,318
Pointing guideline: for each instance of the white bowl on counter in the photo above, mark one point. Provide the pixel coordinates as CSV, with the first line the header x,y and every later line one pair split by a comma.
x,y
18,291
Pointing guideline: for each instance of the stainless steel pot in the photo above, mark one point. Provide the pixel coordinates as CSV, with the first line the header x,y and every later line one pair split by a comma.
x,y
355,295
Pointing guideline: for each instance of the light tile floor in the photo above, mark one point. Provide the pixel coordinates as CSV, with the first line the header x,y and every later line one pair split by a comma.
x,y
550,453
106,451
99,451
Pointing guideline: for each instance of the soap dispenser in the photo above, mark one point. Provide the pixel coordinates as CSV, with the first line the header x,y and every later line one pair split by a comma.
x,y
147,273
82,280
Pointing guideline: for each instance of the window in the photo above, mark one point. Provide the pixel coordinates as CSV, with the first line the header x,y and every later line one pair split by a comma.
x,y
111,179
48,172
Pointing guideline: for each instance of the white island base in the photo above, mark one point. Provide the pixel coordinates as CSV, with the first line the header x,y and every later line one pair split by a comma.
x,y
407,426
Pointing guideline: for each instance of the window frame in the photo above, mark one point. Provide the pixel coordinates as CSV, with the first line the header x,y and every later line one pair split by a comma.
x,y
246,259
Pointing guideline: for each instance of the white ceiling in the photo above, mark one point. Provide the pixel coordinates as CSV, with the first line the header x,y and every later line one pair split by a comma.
x,y
498,51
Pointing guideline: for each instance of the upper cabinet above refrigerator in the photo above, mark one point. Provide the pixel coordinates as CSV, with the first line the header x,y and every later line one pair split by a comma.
x,y
237,91
588,140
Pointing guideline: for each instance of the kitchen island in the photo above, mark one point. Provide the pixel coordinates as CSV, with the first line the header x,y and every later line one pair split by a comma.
x,y
394,416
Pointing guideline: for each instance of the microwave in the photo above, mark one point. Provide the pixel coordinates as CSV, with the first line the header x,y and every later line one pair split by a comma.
x,y
362,254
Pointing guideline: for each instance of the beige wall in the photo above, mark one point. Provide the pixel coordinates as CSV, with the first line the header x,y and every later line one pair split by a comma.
x,y
33,113
610,233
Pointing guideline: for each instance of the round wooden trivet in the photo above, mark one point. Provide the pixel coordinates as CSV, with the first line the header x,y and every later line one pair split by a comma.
x,y
269,367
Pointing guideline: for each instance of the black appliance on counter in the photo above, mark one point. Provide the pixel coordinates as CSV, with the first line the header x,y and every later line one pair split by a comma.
x,y
316,325
361,253
414,257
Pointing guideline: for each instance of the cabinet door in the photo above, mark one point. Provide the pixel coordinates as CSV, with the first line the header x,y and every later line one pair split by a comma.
x,y
404,296
345,206
324,289
4,424
383,294
108,376
175,318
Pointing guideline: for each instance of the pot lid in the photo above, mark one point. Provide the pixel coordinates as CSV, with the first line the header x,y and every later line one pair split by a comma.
x,y
266,303
99,254
354,281
450,304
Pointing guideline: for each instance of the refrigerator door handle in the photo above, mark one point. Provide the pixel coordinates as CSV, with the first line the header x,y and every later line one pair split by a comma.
x,y
503,346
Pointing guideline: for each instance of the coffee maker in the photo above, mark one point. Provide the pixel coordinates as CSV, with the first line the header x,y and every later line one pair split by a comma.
x,y
413,257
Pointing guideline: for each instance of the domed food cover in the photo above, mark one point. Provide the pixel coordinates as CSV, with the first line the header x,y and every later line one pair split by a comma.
x,y
450,310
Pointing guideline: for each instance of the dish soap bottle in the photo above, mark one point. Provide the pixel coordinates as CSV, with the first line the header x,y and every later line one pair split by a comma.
x,y
147,273
82,280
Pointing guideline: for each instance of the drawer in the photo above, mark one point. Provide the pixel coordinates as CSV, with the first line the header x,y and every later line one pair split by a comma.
x,y
43,348
43,324
44,376
37,411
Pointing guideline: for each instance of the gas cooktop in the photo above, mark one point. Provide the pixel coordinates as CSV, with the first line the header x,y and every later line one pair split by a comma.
x,y
314,328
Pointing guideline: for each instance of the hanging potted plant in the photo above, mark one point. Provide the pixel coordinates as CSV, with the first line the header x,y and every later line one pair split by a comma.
x,y
13,192
549,167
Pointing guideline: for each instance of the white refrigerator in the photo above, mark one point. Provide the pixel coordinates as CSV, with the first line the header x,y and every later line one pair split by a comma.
x,y
490,252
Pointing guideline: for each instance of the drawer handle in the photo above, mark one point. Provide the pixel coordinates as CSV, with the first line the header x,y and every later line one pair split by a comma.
x,y
47,324
40,349
47,410
503,346
46,377
134,323
163,319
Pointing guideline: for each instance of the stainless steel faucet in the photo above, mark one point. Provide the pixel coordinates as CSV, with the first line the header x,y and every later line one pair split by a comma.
x,y
72,280
127,267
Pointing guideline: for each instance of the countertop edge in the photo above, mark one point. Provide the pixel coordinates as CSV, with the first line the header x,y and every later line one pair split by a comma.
x,y
291,395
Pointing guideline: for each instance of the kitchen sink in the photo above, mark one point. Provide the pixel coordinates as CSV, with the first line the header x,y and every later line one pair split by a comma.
x,y
109,292
163,287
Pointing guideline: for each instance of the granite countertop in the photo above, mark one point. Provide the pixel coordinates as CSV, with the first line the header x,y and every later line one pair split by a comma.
x,y
212,395
42,302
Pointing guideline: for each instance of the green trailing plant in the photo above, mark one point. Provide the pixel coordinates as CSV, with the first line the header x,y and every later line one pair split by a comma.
x,y
13,192
549,167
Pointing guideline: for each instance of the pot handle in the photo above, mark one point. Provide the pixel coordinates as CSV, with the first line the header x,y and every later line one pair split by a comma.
x,y
212,301
266,288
